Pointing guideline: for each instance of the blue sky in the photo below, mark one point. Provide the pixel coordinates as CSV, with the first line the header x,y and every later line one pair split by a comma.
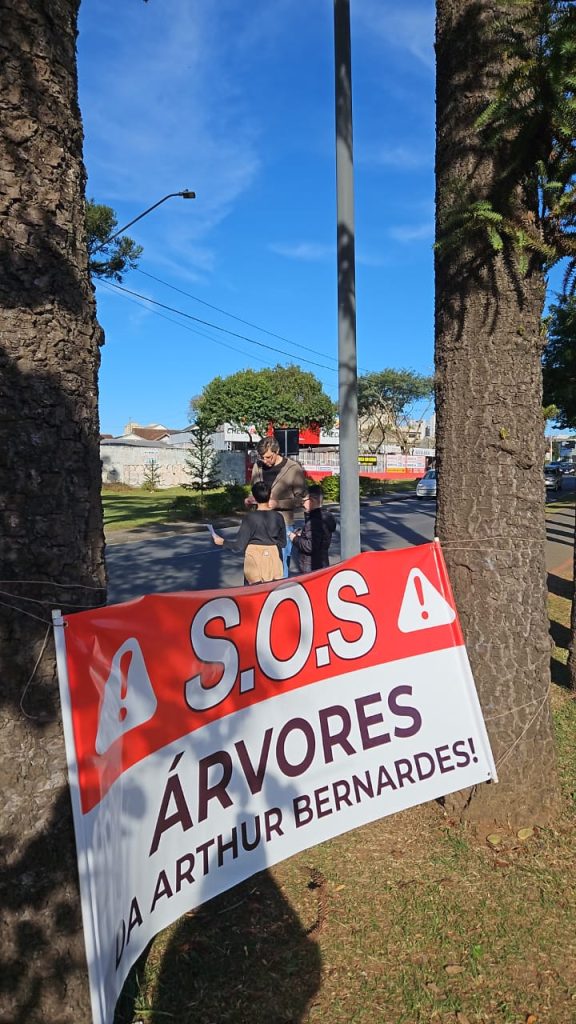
x,y
235,100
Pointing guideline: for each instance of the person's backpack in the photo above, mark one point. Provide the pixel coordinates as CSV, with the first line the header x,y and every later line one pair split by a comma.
x,y
262,563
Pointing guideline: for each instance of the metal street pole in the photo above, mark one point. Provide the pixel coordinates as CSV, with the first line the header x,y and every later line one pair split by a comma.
x,y
347,369
185,194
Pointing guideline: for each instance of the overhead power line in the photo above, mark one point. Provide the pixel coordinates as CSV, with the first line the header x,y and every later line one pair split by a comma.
x,y
247,323
203,334
233,316
217,327
192,330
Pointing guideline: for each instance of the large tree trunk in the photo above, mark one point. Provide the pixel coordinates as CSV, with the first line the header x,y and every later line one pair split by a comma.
x,y
490,436
51,542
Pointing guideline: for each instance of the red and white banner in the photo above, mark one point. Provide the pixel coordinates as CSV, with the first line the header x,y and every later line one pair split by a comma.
x,y
212,734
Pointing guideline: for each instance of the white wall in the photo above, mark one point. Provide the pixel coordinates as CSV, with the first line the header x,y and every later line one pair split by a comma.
x,y
126,464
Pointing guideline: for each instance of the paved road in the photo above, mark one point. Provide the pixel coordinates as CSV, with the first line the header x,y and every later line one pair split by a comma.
x,y
165,559
560,539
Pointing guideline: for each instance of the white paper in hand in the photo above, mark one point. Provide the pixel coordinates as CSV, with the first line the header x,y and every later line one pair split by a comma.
x,y
211,528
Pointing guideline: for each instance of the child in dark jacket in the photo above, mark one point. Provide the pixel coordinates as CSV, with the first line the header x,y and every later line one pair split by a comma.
x,y
313,541
261,537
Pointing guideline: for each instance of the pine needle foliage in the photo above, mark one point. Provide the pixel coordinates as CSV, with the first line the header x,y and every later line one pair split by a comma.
x,y
108,260
531,123
201,461
559,361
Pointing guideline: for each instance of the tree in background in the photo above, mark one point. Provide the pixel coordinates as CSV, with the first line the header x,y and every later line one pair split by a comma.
x,y
119,255
560,388
491,254
152,476
51,555
559,361
386,405
284,396
201,460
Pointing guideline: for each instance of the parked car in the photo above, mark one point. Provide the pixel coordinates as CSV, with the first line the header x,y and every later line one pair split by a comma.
x,y
563,466
426,487
552,477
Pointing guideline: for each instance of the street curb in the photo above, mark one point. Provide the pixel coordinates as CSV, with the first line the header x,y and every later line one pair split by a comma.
x,y
384,499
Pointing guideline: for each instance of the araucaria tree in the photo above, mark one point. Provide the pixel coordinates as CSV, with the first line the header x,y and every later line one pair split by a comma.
x,y
201,460
152,476
387,402
109,260
491,257
51,549
284,396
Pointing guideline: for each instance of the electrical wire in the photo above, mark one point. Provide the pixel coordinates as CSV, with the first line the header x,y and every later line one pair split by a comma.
x,y
247,323
233,316
193,330
202,334
217,327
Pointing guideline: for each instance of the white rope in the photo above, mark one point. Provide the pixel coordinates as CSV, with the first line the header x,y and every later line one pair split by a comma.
x,y
523,733
15,608
42,649
52,583
36,600
519,708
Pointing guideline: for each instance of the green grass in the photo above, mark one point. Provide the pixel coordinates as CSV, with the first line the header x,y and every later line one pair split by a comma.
x,y
124,510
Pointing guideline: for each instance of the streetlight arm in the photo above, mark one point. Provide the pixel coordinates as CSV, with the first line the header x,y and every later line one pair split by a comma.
x,y
186,194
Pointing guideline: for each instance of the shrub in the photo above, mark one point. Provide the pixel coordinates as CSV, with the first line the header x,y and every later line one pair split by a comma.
x,y
237,493
369,486
208,504
185,508
331,488
217,503
109,487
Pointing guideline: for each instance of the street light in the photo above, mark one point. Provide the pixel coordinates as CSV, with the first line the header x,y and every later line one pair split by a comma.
x,y
347,368
185,194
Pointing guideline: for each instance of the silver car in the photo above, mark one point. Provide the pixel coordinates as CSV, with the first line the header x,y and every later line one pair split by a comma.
x,y
426,487
552,477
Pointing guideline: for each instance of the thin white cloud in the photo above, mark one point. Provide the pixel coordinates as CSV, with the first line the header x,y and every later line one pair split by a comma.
x,y
368,259
308,252
161,114
317,252
399,157
409,27
412,232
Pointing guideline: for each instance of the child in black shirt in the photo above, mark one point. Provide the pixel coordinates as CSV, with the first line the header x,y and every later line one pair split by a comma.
x,y
313,541
261,537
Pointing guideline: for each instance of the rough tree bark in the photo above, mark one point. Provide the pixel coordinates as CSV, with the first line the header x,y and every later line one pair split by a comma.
x,y
51,540
490,433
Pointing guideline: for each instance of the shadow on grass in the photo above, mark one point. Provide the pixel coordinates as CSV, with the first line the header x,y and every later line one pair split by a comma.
x,y
559,673
563,589
560,587
244,956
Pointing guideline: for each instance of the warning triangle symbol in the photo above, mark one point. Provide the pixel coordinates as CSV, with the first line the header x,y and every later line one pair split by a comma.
x,y
129,698
423,605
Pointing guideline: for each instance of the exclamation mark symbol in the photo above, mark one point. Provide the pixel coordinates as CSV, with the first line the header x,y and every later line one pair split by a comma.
x,y
420,595
472,748
123,669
